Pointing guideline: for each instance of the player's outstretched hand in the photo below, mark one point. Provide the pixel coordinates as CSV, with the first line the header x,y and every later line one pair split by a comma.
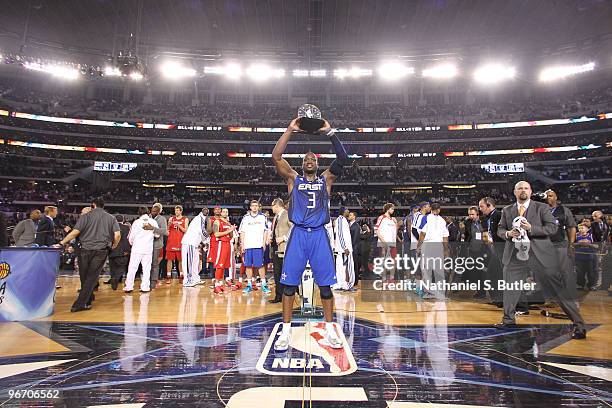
x,y
293,126
326,128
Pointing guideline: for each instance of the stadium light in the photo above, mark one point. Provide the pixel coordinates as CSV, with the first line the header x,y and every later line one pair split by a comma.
x,y
441,71
232,71
354,72
136,76
553,73
394,70
313,73
300,73
112,71
213,70
318,73
59,71
174,70
493,73
262,72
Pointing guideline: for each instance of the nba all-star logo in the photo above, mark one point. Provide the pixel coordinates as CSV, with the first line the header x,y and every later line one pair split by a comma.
x,y
5,270
308,352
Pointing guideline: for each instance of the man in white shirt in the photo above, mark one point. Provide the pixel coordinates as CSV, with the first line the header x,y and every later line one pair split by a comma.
x,y
343,246
253,238
142,251
386,231
433,245
195,236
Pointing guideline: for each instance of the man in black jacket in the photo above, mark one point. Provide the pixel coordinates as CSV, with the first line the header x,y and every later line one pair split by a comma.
x,y
355,232
118,257
45,236
495,247
474,228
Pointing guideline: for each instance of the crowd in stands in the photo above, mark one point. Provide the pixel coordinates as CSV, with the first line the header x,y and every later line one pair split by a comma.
x,y
257,170
23,94
579,171
118,193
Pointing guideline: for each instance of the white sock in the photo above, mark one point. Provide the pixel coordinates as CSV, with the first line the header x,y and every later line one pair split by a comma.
x,y
329,326
286,328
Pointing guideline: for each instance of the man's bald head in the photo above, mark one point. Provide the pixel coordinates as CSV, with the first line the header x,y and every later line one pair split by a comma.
x,y
597,216
522,191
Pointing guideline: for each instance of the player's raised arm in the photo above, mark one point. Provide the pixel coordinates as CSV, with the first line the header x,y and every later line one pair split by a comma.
x,y
283,168
342,159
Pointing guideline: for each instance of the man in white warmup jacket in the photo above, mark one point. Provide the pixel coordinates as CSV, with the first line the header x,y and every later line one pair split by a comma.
x,y
195,236
142,251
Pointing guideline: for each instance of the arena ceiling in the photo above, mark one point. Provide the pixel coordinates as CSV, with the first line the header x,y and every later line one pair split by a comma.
x,y
310,28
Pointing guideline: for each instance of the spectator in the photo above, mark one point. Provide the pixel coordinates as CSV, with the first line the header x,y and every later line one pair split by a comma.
x,y
586,250
68,260
24,233
45,236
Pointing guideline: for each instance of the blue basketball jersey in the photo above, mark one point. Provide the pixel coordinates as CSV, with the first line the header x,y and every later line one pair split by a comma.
x,y
309,203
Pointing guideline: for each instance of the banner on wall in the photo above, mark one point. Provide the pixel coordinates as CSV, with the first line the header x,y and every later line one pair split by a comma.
x,y
27,283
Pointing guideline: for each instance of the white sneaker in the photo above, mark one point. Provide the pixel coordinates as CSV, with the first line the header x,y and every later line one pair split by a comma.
x,y
188,284
283,341
332,338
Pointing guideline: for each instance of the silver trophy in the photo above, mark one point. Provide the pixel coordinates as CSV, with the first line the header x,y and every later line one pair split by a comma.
x,y
309,118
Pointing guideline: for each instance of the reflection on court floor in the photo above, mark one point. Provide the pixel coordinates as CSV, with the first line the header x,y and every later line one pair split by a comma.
x,y
214,365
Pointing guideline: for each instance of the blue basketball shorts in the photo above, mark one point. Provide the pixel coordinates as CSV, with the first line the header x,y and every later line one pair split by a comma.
x,y
253,258
308,245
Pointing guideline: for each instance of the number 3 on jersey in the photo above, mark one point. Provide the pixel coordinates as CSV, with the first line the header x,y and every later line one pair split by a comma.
x,y
311,200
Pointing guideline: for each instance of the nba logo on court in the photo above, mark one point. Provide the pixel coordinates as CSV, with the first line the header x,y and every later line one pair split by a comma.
x,y
308,353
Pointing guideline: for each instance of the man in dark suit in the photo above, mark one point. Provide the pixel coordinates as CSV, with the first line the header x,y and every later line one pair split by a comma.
x,y
494,248
474,229
355,232
118,257
599,227
542,260
601,235
45,235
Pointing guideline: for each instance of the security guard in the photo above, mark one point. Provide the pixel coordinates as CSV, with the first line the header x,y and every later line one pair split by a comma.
x,y
563,240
